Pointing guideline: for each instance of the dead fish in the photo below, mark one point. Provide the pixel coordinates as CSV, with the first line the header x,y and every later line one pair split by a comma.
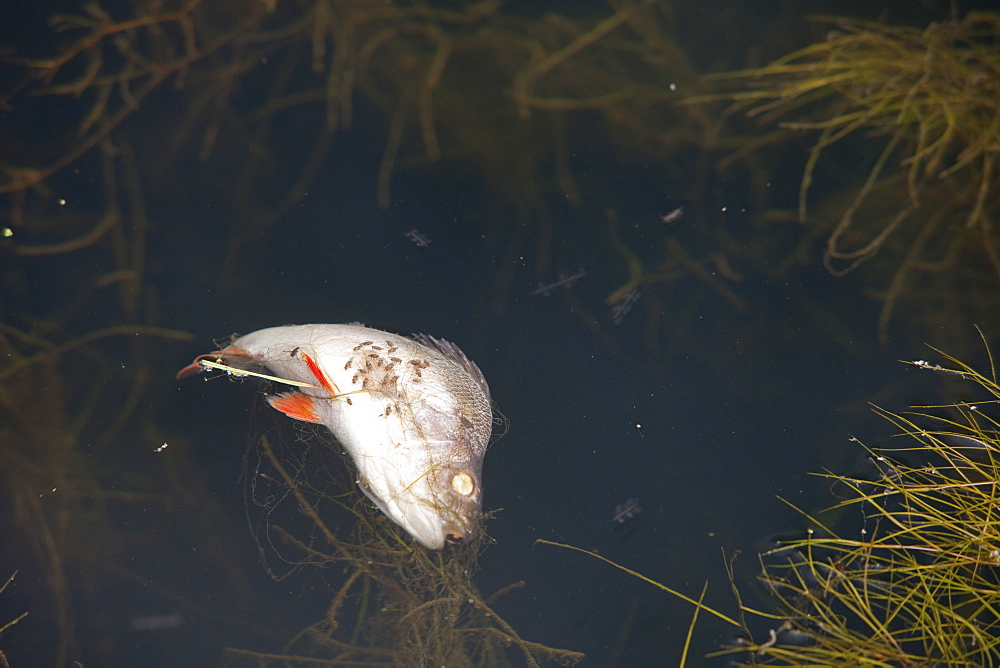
x,y
413,413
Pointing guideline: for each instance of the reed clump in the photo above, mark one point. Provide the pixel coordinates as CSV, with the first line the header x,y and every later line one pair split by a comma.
x,y
918,584
916,113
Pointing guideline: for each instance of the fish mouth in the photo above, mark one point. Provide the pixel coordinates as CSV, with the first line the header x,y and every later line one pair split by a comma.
x,y
456,533
431,523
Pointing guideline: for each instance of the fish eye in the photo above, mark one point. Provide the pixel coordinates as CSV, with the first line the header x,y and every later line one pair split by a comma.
x,y
463,484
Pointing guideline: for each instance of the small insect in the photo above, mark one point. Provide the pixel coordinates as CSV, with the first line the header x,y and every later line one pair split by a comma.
x,y
418,237
348,365
626,511
295,351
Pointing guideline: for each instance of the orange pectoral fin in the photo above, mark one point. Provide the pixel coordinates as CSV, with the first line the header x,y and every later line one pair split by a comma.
x,y
296,405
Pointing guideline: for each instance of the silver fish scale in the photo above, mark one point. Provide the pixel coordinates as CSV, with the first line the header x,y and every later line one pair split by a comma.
x,y
470,391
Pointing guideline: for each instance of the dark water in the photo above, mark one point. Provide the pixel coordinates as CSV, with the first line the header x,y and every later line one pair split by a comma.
x,y
705,412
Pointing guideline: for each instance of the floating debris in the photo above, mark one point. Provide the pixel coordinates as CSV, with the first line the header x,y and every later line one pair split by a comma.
x,y
156,622
418,237
673,216
626,511
624,305
565,280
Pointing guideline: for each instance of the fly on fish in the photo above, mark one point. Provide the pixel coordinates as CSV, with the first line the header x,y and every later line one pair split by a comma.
x,y
414,414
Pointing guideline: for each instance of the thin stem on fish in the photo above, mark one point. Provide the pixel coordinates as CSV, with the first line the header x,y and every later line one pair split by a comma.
x,y
209,364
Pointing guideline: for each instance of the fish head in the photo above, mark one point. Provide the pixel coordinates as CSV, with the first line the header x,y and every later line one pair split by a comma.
x,y
437,505
429,477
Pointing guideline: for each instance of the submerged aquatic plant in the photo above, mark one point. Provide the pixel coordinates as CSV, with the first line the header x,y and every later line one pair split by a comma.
x,y
927,104
920,584
467,82
7,625
392,604
253,96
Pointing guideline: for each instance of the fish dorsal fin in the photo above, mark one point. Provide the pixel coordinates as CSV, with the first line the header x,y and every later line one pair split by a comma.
x,y
296,405
455,354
